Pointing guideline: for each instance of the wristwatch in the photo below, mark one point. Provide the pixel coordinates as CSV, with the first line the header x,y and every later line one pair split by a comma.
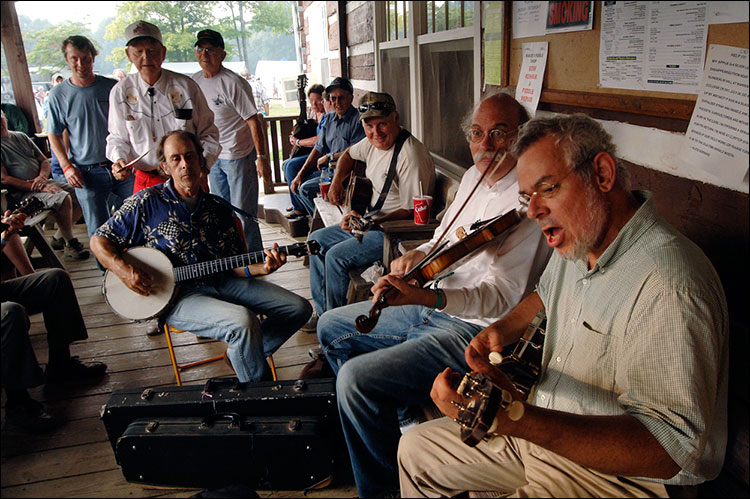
x,y
261,156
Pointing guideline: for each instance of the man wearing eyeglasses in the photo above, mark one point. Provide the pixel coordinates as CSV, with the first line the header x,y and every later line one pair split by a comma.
x,y
243,156
146,105
384,377
632,396
341,129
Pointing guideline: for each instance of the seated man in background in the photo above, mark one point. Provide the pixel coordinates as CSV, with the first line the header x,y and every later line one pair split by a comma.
x,y
633,389
191,226
341,130
385,375
412,173
319,107
51,293
25,171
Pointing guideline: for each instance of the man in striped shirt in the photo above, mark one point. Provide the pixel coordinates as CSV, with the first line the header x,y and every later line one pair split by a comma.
x,y
632,396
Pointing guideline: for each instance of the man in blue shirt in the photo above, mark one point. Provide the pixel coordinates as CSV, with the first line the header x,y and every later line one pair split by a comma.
x,y
80,105
190,226
341,130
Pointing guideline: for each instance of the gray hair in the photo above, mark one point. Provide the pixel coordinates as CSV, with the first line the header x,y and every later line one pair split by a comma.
x,y
580,138
503,94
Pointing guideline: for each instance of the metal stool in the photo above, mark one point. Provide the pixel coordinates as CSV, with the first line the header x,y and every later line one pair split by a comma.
x,y
168,330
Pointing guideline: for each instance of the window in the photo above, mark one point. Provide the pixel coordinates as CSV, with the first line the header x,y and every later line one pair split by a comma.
x,y
428,59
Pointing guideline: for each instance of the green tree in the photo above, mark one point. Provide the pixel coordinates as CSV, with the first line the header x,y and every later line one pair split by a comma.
x,y
178,21
45,44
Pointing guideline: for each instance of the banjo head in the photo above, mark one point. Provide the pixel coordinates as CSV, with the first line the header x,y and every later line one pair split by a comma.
x,y
129,304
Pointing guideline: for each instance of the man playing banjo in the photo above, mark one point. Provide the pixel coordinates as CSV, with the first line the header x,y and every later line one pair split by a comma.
x,y
189,226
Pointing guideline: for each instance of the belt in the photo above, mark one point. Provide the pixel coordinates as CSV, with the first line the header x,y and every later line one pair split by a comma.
x,y
103,163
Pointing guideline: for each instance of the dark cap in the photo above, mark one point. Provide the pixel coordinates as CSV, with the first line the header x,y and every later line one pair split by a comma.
x,y
342,83
141,29
210,36
376,104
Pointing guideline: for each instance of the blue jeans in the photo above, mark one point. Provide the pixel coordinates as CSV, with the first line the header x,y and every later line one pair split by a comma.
x,y
94,197
339,252
225,308
291,169
308,190
381,372
236,181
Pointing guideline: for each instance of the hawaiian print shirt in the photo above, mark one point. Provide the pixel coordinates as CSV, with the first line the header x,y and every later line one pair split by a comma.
x,y
156,218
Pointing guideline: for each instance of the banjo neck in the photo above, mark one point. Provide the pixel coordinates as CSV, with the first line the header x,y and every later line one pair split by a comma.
x,y
203,269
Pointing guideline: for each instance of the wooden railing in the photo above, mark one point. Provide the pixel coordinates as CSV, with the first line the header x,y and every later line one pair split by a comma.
x,y
278,130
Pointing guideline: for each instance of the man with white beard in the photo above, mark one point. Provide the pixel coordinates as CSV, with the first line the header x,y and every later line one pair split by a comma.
x,y
386,374
632,394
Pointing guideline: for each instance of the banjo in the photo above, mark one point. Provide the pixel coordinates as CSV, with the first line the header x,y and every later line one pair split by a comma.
x,y
131,305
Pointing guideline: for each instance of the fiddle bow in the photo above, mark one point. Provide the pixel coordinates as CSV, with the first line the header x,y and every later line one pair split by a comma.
x,y
440,258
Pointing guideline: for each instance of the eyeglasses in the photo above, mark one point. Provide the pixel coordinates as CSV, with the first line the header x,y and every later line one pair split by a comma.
x,y
334,98
477,135
207,51
544,190
375,106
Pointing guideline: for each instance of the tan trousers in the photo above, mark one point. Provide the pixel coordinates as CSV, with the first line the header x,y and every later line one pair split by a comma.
x,y
434,462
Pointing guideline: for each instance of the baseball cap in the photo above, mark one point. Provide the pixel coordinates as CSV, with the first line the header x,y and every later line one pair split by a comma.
x,y
141,29
342,83
210,36
376,104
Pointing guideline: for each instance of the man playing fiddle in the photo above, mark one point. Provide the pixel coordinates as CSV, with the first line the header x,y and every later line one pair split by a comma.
x,y
382,373
191,226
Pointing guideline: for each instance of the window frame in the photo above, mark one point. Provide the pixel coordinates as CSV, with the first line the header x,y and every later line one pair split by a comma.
x,y
417,36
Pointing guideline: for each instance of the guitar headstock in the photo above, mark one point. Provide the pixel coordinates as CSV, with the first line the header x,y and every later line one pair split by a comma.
x,y
29,206
302,249
481,399
302,81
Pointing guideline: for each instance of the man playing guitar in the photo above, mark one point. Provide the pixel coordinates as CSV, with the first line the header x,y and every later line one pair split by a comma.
x,y
190,226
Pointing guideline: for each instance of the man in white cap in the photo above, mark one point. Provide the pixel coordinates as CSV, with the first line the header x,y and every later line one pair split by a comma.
x,y
144,106
241,132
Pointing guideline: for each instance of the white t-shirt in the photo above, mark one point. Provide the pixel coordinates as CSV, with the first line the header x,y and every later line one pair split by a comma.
x,y
230,97
414,165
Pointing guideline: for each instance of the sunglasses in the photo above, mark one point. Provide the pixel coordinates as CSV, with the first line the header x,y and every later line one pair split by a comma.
x,y
375,106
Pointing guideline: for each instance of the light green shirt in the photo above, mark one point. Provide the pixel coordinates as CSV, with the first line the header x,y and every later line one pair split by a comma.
x,y
645,332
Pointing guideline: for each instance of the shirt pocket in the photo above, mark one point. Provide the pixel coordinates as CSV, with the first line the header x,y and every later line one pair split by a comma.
x,y
595,354
137,130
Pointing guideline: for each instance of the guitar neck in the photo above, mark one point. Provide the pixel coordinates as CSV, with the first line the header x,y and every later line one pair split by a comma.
x,y
203,269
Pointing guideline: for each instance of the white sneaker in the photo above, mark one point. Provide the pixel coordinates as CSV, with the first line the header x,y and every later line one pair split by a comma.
x,y
311,325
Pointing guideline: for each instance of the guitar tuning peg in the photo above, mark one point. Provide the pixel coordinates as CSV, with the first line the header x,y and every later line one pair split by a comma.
x,y
462,424
460,406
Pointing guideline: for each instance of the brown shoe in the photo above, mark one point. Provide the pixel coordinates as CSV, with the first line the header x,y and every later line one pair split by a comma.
x,y
317,368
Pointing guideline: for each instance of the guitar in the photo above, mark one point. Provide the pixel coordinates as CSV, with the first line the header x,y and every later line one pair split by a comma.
x,y
481,399
27,206
304,128
441,260
131,305
358,194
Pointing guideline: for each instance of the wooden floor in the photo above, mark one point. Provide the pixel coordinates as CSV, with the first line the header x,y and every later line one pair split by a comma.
x,y
77,460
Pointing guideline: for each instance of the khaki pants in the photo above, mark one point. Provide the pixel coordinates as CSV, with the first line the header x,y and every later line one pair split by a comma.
x,y
434,462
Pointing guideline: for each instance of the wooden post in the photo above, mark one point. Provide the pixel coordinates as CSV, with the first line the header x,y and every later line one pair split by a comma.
x,y
343,60
17,65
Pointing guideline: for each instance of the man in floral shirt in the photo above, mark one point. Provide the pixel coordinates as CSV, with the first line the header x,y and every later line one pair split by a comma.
x,y
191,226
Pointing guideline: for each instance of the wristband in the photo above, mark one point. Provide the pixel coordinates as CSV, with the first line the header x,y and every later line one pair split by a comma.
x,y
261,156
67,168
247,272
439,303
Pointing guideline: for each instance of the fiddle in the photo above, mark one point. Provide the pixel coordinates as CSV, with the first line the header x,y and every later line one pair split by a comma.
x,y
440,260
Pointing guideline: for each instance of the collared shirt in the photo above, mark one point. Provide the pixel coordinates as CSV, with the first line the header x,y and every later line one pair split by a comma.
x,y
414,167
340,133
156,217
259,95
497,276
231,99
642,333
177,103
83,111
